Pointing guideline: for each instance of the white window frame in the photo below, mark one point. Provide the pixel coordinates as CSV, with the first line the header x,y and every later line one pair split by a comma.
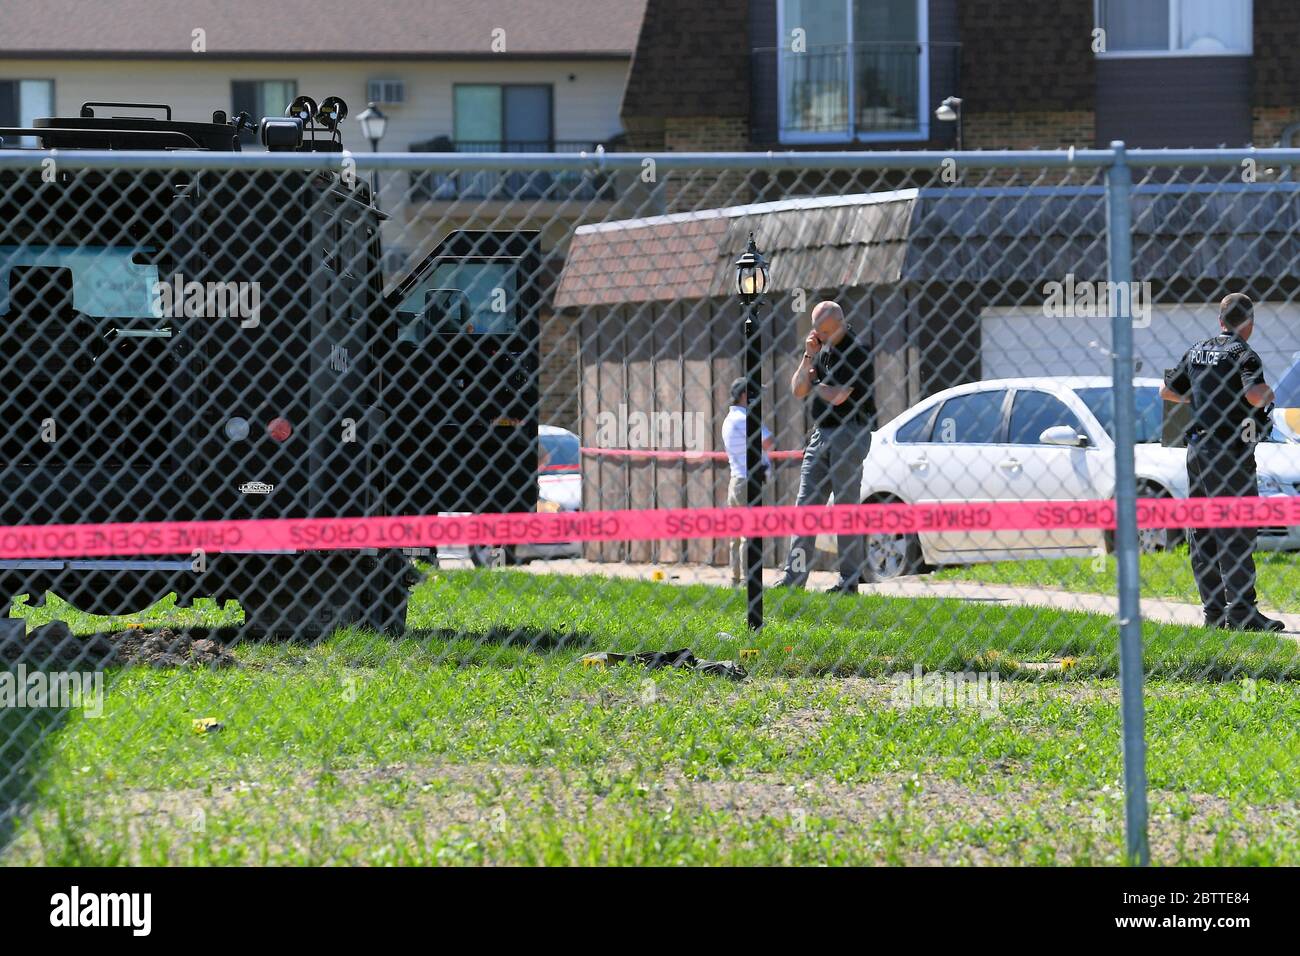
x,y
922,131
384,83
1169,50
31,141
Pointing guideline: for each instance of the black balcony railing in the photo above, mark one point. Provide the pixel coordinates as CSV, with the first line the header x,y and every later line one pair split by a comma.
x,y
507,185
848,91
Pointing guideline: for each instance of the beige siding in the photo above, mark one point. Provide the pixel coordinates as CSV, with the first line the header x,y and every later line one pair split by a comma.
x,y
586,107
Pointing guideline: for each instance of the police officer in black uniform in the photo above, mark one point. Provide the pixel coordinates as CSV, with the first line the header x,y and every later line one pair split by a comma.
x,y
1223,379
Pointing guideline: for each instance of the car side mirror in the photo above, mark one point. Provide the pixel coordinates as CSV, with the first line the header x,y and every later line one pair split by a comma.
x,y
1063,435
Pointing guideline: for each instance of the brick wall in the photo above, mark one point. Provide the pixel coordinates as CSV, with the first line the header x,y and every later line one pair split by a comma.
x,y
688,91
1275,70
691,58
1030,129
694,133
1267,122
643,135
1018,56
558,372
1276,62
702,189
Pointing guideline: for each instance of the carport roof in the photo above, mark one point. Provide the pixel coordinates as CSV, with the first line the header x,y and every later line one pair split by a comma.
x,y
977,235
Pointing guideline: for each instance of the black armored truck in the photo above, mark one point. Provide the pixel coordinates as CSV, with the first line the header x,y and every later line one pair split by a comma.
x,y
217,340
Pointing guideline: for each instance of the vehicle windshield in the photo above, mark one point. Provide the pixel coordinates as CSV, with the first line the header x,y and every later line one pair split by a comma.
x,y
1287,393
459,296
1150,410
559,454
108,282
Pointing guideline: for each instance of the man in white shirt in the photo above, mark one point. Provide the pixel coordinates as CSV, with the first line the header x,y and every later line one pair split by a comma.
x,y
733,440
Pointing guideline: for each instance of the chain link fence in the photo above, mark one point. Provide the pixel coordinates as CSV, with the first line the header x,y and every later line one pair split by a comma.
x,y
235,337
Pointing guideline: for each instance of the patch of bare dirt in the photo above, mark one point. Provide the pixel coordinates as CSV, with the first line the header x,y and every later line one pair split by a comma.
x,y
916,819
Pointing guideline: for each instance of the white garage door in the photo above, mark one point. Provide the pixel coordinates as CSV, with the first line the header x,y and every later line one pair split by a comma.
x,y
1018,342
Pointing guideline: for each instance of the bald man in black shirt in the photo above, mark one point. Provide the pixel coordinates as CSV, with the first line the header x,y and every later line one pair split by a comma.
x,y
835,376
1223,379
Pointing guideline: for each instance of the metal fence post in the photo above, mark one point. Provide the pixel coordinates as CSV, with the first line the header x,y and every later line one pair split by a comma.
x,y
753,463
751,283
1119,227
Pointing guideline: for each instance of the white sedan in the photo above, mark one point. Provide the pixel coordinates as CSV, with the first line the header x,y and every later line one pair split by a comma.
x,y
1031,439
559,488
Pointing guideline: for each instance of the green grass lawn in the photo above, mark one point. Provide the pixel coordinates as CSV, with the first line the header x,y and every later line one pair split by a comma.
x,y
480,738
1166,575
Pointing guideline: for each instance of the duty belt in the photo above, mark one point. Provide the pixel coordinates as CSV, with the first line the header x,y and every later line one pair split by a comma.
x,y
846,423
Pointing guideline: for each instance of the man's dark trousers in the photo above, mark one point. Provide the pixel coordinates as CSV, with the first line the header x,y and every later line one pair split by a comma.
x,y
832,464
1223,558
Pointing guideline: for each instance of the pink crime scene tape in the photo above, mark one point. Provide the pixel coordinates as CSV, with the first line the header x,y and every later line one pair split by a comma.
x,y
423,531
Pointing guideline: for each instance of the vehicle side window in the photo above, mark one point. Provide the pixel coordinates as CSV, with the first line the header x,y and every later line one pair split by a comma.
x,y
102,281
916,429
974,419
461,296
1033,412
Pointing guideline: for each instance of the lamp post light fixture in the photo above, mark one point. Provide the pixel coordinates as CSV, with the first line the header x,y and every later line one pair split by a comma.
x,y
373,126
751,284
949,111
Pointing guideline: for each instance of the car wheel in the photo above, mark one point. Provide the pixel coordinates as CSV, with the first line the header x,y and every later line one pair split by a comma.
x,y
1151,540
890,556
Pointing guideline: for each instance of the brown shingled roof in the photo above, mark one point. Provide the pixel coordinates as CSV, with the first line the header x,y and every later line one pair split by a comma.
x,y
939,235
407,29
660,260
811,243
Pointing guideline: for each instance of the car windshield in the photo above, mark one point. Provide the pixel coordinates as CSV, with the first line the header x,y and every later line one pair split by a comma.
x,y
1287,393
1150,410
559,454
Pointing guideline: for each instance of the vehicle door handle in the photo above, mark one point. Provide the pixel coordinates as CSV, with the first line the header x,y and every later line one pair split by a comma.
x,y
916,464
1011,464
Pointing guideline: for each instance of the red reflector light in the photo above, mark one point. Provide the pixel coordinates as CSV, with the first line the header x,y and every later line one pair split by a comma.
x,y
279,429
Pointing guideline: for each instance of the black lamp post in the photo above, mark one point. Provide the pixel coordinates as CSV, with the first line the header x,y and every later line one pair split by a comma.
x,y
373,126
949,111
751,283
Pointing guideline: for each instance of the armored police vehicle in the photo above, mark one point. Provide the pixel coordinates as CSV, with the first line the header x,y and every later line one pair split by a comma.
x,y
216,343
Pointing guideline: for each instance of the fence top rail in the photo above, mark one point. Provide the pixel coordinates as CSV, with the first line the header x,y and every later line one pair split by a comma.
x,y
598,161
